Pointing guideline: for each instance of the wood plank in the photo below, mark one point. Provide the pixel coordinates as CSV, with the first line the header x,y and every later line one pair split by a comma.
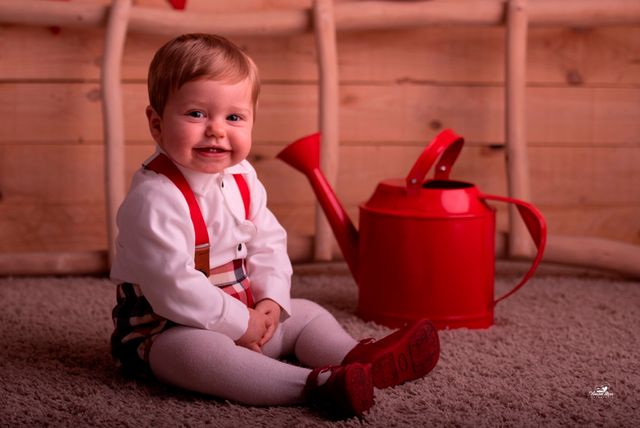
x,y
46,226
81,227
68,174
36,53
555,55
50,175
65,112
565,56
618,223
403,114
585,176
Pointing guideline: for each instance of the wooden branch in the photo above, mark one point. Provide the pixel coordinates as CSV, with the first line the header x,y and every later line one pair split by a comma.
x,y
113,115
53,13
584,12
370,15
326,46
597,253
59,263
361,15
516,124
158,21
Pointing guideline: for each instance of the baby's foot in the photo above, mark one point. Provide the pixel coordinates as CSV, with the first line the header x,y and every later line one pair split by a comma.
x,y
407,354
343,390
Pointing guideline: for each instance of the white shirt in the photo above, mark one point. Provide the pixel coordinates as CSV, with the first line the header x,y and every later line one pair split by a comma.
x,y
156,244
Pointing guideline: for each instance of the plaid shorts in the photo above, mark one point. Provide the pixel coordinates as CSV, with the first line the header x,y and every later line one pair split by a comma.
x,y
136,325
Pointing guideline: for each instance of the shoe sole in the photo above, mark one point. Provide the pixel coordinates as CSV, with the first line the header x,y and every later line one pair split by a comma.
x,y
417,357
359,386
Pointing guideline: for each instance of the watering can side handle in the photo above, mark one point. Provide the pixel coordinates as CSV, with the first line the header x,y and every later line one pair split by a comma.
x,y
537,228
446,143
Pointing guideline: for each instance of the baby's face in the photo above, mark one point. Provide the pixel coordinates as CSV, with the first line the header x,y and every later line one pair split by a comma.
x,y
206,125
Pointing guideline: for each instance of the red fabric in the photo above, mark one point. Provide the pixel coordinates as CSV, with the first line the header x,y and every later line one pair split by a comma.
x,y
178,4
244,191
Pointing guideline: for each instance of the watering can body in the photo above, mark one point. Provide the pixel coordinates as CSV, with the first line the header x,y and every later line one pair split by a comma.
x,y
434,260
425,248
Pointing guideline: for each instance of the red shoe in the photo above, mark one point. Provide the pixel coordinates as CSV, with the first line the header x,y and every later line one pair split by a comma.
x,y
347,392
407,354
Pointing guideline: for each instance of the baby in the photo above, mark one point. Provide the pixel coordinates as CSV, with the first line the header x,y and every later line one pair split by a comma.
x,y
203,296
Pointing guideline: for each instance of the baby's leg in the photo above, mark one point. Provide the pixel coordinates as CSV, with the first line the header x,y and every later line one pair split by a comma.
x,y
312,334
211,363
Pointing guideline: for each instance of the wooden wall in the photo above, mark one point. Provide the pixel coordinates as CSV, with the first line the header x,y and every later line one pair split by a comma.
x,y
398,88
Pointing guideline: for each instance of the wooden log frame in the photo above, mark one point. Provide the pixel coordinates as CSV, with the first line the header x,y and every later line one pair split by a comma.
x,y
361,15
592,252
328,121
112,113
516,124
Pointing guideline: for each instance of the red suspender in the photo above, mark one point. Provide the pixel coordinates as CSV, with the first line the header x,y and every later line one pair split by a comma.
x,y
163,165
244,191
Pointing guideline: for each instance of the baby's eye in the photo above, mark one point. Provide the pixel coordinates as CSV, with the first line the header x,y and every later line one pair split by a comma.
x,y
233,117
196,114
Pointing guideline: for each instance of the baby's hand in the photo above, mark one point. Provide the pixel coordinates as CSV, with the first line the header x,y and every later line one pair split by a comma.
x,y
259,324
272,310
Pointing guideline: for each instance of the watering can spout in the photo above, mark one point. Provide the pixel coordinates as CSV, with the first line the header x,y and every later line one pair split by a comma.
x,y
304,155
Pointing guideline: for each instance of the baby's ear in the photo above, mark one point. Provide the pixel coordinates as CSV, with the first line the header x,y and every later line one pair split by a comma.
x,y
155,124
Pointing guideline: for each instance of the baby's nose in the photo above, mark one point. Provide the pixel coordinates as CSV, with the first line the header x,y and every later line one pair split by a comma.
x,y
215,129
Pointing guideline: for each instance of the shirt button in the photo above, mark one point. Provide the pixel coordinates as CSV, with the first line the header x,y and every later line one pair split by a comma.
x,y
239,247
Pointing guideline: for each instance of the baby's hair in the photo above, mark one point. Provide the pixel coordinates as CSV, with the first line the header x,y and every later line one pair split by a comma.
x,y
198,56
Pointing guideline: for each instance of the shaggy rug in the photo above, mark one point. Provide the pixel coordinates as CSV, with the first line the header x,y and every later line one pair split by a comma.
x,y
564,351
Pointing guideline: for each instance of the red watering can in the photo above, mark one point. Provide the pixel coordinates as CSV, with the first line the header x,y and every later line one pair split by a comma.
x,y
426,248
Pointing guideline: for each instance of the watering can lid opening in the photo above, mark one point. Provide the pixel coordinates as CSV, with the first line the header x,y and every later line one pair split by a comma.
x,y
446,184
398,185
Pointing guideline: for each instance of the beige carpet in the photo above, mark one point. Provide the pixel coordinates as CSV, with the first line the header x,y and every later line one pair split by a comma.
x,y
555,343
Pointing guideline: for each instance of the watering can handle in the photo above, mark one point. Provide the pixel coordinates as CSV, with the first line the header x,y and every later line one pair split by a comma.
x,y
537,228
446,146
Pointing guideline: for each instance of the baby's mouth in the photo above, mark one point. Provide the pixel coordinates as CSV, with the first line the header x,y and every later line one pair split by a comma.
x,y
211,149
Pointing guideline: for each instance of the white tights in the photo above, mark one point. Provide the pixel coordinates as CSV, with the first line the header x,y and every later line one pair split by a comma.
x,y
211,363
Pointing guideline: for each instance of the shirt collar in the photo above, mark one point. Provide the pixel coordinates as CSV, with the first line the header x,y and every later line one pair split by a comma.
x,y
201,181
